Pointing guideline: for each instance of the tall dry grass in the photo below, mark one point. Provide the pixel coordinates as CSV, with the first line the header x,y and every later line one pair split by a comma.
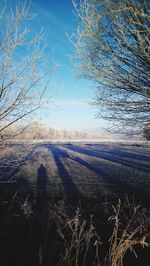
x,y
72,238
130,229
79,238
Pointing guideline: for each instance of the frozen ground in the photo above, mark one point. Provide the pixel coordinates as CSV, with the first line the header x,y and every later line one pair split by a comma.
x,y
78,169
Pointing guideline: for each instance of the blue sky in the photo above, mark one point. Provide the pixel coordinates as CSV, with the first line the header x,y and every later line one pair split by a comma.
x,y
71,99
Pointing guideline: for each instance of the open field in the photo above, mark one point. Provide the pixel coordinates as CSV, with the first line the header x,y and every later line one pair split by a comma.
x,y
83,170
66,208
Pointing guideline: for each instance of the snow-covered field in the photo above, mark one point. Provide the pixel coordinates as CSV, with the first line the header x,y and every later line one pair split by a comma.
x,y
83,169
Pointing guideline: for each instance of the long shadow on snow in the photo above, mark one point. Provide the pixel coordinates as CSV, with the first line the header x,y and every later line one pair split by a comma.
x,y
118,186
123,185
106,177
71,191
109,157
138,155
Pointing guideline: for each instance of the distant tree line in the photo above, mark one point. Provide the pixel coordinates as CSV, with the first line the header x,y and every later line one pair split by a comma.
x,y
36,131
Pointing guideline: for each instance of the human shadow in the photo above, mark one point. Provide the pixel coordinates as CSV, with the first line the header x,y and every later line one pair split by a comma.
x,y
42,180
72,193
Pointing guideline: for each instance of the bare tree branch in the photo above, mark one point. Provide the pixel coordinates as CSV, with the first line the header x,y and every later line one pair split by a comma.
x,y
24,72
112,44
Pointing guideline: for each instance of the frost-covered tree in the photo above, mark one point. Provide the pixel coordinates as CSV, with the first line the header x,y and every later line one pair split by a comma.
x,y
24,72
113,45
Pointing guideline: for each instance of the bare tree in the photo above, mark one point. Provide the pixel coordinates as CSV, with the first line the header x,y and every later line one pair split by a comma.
x,y
24,72
113,45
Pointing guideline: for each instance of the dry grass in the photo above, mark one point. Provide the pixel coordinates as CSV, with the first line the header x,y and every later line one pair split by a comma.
x,y
131,228
79,238
76,240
